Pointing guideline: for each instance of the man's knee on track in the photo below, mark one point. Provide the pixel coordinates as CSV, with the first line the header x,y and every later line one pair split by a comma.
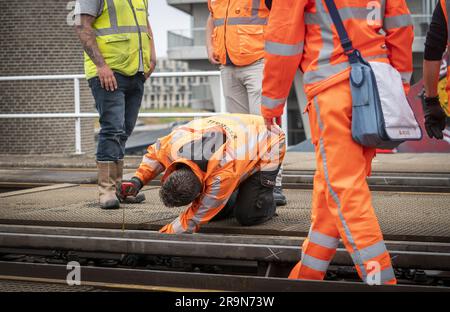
x,y
255,202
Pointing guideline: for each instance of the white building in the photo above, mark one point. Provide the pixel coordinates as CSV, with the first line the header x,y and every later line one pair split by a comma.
x,y
173,92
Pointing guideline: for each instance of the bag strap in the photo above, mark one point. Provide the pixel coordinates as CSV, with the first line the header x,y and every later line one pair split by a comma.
x,y
342,32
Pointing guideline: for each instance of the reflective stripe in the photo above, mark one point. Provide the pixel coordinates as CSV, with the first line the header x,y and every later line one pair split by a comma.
x,y
357,257
326,34
372,251
383,7
243,152
112,14
314,263
255,7
328,70
324,71
219,22
252,20
177,227
272,103
284,49
120,30
406,77
345,13
355,13
208,202
397,21
153,164
387,275
178,134
323,240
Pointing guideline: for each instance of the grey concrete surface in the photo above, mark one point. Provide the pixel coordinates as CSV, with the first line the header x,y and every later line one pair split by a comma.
x,y
296,161
402,216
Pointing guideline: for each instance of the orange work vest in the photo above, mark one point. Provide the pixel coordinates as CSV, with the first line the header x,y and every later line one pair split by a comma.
x,y
239,30
300,34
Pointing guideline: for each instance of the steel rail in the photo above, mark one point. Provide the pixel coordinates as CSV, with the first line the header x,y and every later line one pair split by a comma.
x,y
157,224
404,255
386,182
200,281
224,238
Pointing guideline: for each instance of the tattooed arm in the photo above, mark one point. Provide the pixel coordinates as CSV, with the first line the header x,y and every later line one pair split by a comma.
x,y
86,34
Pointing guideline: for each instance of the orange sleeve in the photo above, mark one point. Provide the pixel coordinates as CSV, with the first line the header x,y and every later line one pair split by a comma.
x,y
284,41
209,6
150,167
218,190
399,38
444,8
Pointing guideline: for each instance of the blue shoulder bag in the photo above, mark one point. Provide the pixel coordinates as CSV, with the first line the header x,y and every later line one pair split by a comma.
x,y
380,120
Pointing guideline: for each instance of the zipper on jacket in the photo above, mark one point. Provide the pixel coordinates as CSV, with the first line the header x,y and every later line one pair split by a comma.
x,y
141,53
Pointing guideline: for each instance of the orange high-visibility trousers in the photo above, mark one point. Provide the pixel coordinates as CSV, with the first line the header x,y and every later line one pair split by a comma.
x,y
342,205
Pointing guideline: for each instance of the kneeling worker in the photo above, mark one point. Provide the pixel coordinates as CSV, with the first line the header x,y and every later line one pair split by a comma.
x,y
219,165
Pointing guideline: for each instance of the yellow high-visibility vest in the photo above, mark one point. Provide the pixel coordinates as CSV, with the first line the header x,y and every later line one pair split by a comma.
x,y
121,33
443,96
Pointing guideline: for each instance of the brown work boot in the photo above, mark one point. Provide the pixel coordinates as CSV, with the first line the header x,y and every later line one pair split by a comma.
x,y
139,198
107,173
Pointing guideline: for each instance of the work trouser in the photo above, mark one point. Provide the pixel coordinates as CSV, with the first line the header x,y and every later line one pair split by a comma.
x,y
342,206
118,113
252,203
242,87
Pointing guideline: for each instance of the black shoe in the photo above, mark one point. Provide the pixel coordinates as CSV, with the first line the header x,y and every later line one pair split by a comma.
x,y
278,196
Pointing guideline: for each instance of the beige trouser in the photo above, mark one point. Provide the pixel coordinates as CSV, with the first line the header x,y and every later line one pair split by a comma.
x,y
242,87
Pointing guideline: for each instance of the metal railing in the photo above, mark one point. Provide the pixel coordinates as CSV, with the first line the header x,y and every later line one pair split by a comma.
x,y
421,23
77,114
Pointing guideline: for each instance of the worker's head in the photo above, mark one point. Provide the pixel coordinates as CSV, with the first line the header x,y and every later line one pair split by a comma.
x,y
180,188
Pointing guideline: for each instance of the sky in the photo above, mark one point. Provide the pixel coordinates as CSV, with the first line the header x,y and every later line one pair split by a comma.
x,y
164,18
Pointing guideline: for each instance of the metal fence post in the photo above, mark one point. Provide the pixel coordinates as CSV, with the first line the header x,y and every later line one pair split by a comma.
x,y
76,86
223,107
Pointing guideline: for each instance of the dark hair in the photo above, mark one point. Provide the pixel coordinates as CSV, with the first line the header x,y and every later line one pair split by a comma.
x,y
180,188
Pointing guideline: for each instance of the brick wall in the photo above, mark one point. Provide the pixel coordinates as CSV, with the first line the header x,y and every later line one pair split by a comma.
x,y
36,40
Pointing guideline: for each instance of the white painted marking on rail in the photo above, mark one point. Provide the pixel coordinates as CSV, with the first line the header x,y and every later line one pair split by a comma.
x,y
273,254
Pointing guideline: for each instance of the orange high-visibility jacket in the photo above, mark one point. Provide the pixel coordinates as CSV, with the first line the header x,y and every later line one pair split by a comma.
x,y
222,151
239,29
300,34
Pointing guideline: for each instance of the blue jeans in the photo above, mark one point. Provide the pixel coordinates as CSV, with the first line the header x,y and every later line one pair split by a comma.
x,y
118,114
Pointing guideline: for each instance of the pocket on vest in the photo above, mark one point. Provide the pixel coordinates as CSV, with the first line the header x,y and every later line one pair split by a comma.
x,y
116,47
251,38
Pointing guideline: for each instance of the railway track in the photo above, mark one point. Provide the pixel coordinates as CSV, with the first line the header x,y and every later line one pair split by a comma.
x,y
151,261
294,179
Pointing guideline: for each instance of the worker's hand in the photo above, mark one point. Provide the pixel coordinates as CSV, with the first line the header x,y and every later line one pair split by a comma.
x,y
213,58
270,122
107,78
435,117
151,70
129,188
